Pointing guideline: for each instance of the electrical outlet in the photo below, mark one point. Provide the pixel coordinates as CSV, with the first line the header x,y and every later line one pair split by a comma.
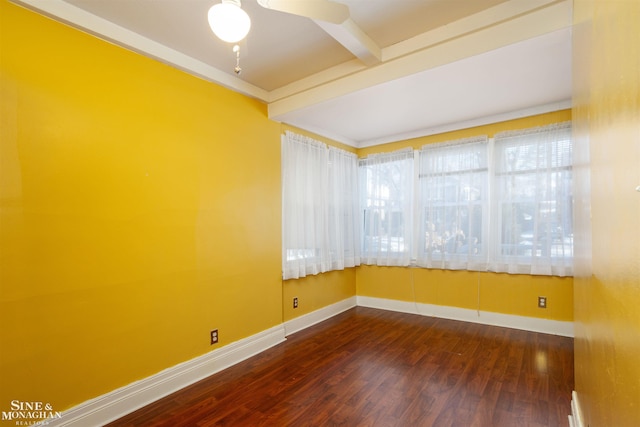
x,y
542,302
295,302
214,336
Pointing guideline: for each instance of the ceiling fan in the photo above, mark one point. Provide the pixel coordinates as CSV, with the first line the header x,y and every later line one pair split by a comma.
x,y
231,24
323,10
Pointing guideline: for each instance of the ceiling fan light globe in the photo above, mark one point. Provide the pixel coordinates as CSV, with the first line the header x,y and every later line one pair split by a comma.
x,y
229,22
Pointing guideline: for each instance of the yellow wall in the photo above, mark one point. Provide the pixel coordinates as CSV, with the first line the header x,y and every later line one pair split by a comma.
x,y
499,293
139,209
607,285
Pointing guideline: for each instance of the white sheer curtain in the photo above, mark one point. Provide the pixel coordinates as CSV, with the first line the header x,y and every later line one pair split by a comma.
x,y
453,205
531,225
344,218
386,191
320,230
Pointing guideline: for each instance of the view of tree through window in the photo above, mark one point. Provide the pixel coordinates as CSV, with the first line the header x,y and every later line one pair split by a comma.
x,y
453,198
533,203
386,183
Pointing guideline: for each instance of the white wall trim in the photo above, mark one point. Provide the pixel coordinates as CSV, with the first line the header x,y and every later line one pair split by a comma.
x,y
299,323
120,402
575,419
480,121
534,324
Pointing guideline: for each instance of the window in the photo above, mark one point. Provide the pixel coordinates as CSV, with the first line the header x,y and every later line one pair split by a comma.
x,y
320,228
344,220
476,204
532,204
453,204
386,188
503,205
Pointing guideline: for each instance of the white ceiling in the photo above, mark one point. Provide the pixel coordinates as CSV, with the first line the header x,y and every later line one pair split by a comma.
x,y
396,69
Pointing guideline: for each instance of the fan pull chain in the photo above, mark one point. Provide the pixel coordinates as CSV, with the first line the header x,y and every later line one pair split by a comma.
x,y
237,70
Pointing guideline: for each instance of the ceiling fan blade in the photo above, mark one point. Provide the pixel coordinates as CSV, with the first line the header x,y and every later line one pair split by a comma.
x,y
323,10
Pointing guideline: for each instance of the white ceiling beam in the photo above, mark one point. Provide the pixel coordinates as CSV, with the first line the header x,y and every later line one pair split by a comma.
x,y
356,41
324,10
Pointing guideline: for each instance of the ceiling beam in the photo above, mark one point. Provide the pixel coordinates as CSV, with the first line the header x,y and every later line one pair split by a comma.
x,y
356,41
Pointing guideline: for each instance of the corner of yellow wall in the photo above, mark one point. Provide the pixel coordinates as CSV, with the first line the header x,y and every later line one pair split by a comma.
x,y
317,291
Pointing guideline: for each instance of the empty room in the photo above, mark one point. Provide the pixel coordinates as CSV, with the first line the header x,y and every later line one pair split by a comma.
x,y
345,212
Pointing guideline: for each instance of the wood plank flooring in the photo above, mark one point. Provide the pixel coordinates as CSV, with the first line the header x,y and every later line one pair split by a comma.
x,y
368,367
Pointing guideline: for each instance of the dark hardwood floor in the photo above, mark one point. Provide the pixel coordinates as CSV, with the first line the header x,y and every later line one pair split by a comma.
x,y
368,367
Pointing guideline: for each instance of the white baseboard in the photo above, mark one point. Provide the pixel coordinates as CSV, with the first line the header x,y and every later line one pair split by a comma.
x,y
575,419
118,403
310,319
534,324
